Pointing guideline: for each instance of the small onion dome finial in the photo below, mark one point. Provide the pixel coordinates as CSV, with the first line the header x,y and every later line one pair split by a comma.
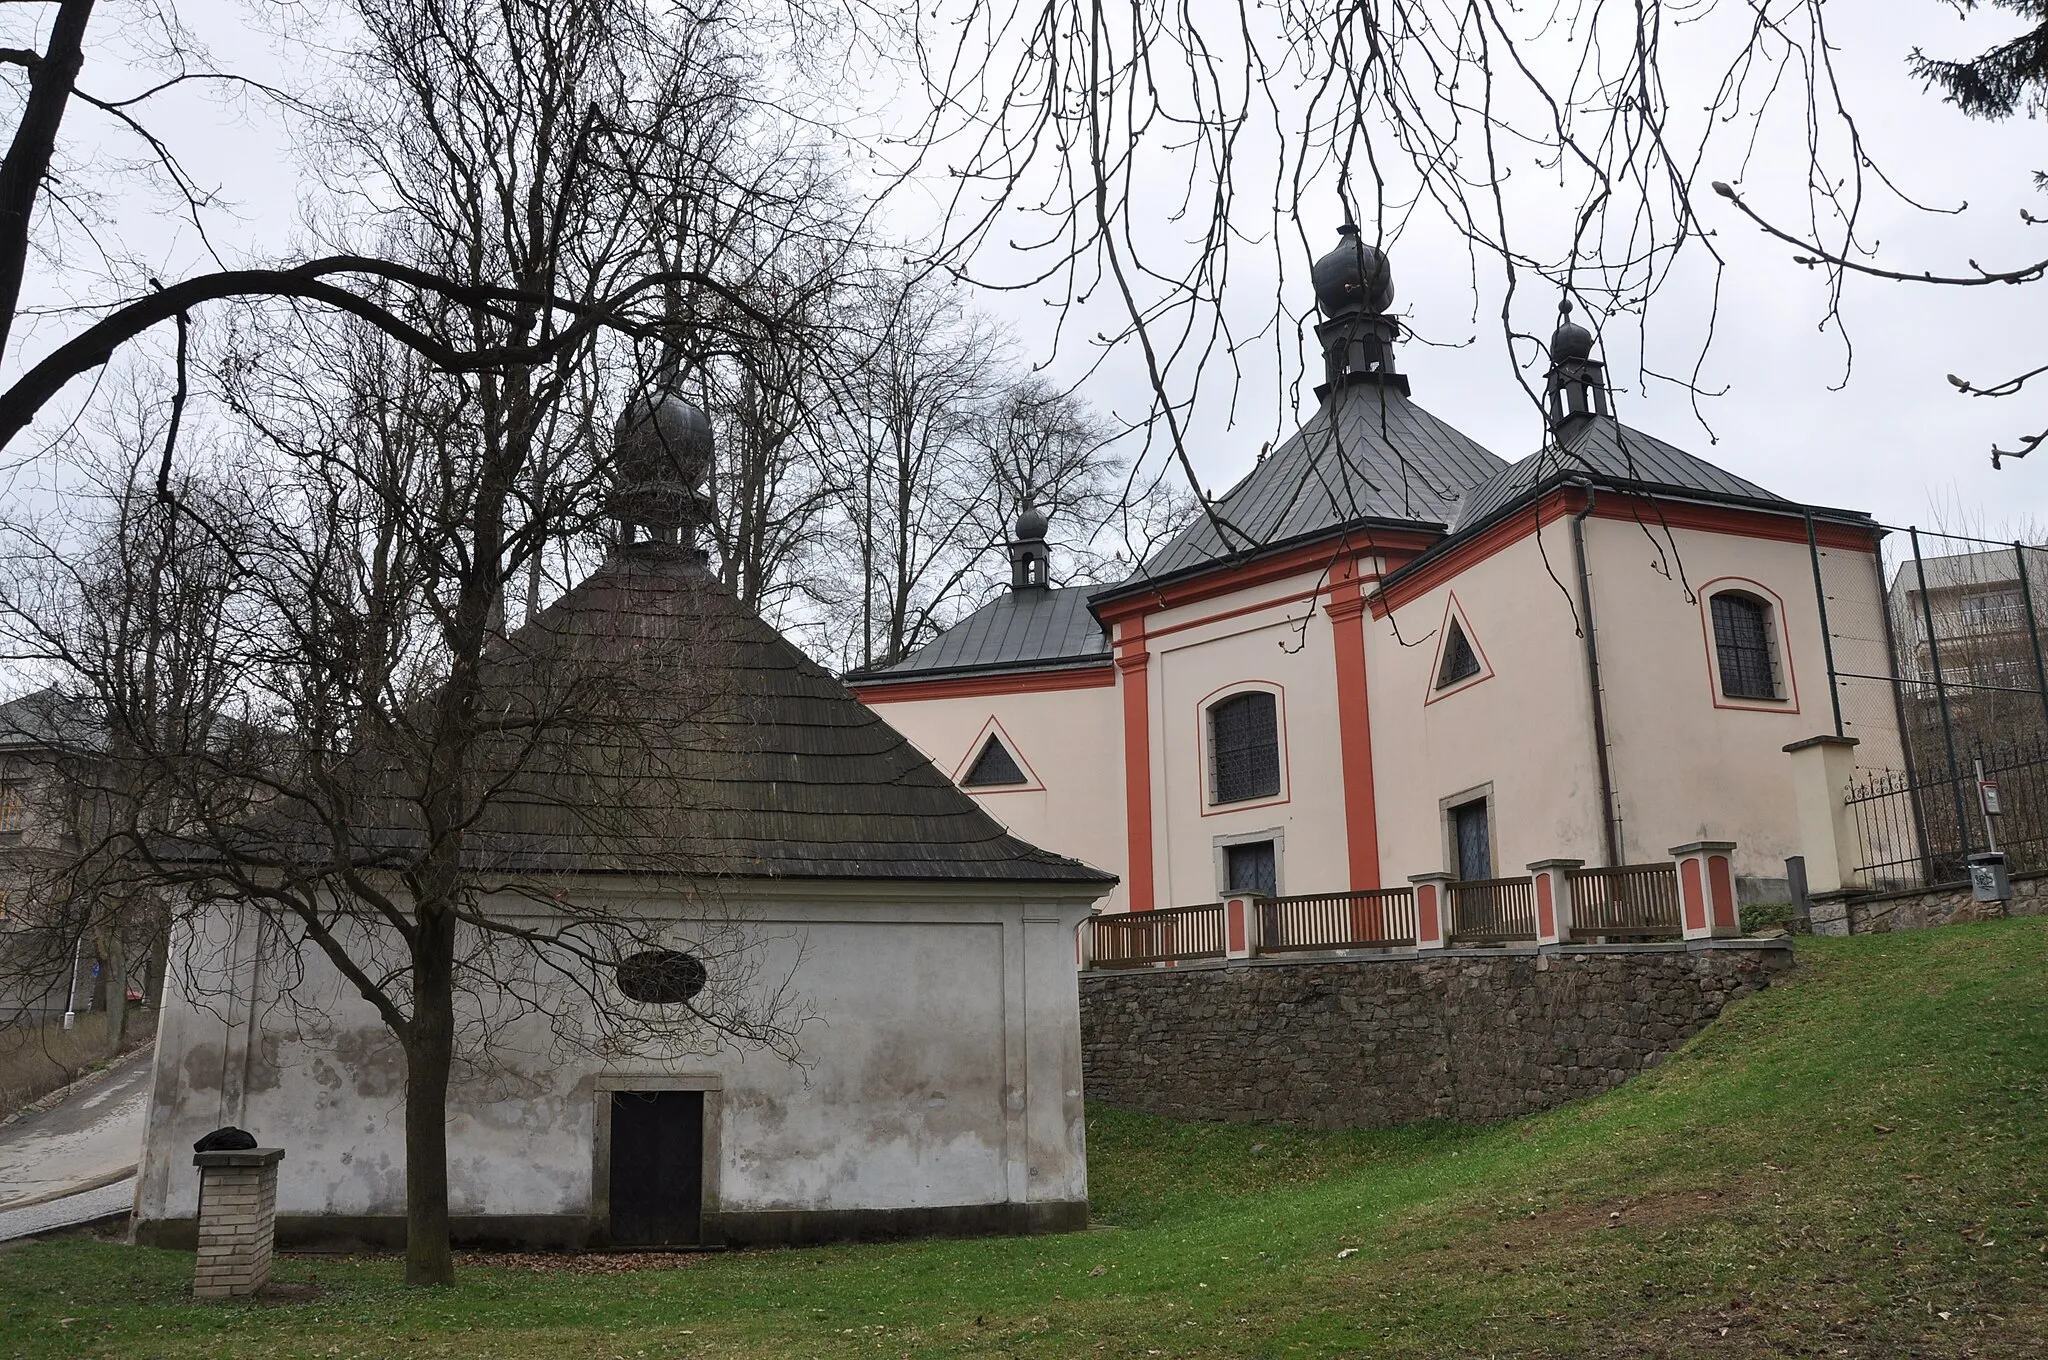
x,y
663,451
1353,278
1031,524
1570,341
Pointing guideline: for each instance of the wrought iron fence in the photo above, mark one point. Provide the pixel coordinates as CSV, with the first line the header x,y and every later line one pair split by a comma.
x,y
1632,902
1493,911
1917,832
1382,919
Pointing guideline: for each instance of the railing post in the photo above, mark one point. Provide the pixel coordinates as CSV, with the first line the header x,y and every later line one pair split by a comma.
x,y
1706,890
1551,884
1821,770
1432,910
1241,924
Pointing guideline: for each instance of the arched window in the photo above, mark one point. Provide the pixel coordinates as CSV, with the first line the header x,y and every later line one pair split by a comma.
x,y
1244,747
1742,646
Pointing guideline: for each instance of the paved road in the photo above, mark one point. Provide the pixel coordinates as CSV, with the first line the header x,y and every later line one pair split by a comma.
x,y
88,1141
84,1207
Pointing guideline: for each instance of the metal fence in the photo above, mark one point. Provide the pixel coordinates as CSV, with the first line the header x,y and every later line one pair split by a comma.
x,y
1949,669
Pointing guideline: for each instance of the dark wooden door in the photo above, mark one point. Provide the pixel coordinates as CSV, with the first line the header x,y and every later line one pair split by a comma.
x,y
657,1178
1475,849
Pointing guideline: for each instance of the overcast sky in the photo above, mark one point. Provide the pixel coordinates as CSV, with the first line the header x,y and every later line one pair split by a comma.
x,y
1896,440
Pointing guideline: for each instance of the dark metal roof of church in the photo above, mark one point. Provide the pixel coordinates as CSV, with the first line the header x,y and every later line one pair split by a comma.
x,y
1033,627
651,724
1368,453
1604,449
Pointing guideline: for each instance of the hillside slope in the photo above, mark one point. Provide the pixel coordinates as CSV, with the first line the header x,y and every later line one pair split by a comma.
x,y
1854,1163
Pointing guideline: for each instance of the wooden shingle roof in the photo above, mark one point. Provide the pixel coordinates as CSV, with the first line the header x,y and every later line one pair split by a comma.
x,y
650,724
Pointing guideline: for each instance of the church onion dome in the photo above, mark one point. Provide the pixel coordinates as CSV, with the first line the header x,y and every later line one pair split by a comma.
x,y
1031,525
1570,340
1353,278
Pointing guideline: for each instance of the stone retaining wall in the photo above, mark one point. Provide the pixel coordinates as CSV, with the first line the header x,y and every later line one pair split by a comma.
x,y
1923,907
1469,1035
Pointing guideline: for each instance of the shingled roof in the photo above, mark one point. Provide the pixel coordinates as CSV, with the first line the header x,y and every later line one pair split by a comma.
x,y
1041,629
1368,453
654,725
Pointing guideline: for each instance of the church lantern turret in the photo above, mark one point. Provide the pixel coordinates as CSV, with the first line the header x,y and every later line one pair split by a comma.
x,y
1354,286
1577,386
1030,558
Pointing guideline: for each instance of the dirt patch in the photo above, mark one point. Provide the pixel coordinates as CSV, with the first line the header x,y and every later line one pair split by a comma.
x,y
1640,1211
579,1263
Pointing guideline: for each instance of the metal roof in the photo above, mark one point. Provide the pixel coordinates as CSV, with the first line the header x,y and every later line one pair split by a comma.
x,y
1032,627
49,718
1369,452
695,740
1609,451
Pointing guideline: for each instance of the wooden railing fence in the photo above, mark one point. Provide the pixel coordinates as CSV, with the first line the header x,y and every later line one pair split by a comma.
x,y
1633,902
1131,938
1493,911
1383,919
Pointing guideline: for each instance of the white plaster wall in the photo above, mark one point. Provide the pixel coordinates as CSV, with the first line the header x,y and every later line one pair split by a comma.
x,y
1070,741
1285,647
941,1068
1683,768
1527,730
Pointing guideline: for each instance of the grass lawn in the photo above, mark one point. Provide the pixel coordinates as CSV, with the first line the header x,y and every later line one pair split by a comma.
x,y
1854,1163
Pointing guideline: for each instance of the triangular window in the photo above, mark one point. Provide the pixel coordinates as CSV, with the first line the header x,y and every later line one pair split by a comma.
x,y
995,765
1460,661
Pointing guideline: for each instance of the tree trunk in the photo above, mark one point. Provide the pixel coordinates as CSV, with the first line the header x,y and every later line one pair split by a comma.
x,y
115,973
35,137
429,1053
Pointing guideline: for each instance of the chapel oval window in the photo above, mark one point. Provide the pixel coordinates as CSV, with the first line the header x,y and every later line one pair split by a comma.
x,y
662,977
1742,646
1244,747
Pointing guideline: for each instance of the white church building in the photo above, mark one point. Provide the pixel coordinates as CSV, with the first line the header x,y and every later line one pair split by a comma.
x,y
1388,652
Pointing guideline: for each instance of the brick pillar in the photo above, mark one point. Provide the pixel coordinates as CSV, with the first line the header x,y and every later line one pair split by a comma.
x,y
1828,835
1432,910
1706,889
1553,891
237,1221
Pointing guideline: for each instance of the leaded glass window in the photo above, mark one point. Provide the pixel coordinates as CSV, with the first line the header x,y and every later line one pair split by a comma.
x,y
1742,645
1244,748
1460,661
1252,867
995,765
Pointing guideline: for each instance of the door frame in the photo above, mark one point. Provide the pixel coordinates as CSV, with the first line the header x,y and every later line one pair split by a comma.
x,y
712,1084
1448,824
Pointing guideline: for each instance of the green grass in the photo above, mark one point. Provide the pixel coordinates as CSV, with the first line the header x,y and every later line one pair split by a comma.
x,y
1853,1163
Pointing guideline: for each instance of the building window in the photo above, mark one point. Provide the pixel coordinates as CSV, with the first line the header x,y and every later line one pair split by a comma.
x,y
1742,645
1244,748
1460,661
994,767
662,977
1252,866
13,807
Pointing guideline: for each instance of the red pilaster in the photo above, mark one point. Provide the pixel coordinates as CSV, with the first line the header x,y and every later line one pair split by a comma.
x,y
1132,663
1354,727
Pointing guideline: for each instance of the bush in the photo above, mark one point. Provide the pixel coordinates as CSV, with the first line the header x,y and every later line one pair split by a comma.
x,y
1762,915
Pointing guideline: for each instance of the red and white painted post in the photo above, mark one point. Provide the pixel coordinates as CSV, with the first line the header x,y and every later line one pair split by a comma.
x,y
1706,889
1241,924
1553,889
1432,910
